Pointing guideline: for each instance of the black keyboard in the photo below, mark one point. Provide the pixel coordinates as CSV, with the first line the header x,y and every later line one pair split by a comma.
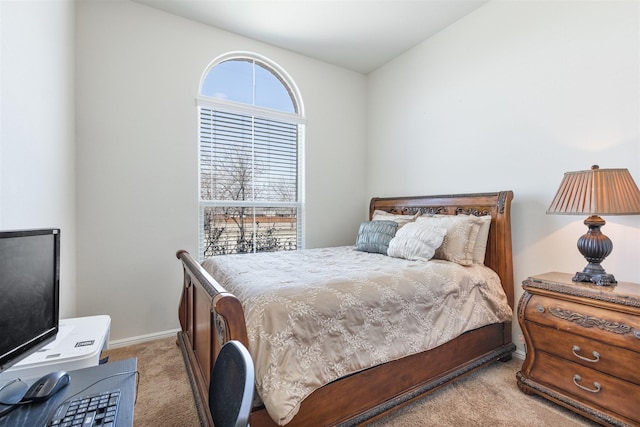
x,y
88,411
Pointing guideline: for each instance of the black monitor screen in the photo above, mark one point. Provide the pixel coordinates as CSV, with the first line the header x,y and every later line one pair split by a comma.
x,y
29,287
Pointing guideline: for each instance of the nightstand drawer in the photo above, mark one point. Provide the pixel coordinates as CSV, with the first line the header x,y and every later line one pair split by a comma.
x,y
619,329
593,354
587,385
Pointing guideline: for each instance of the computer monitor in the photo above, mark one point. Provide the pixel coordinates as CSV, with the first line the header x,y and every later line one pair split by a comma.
x,y
29,292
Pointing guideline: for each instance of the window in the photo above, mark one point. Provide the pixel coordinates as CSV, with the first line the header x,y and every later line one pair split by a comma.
x,y
251,132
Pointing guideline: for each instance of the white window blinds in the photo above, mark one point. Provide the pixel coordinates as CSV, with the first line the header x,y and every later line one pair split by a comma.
x,y
246,158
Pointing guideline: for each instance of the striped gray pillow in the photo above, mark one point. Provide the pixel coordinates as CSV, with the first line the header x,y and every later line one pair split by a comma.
x,y
374,236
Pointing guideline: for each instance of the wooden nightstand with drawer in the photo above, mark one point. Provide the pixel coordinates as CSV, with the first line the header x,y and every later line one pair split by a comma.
x,y
583,346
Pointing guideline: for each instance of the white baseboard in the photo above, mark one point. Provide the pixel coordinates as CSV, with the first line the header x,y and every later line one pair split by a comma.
x,y
124,342
519,354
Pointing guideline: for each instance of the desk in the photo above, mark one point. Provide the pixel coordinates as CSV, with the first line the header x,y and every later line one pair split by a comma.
x,y
37,414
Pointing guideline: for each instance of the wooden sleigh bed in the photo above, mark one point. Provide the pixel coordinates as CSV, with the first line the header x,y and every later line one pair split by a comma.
x,y
209,316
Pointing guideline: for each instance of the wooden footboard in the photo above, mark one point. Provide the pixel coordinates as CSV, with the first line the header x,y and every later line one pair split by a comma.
x,y
209,316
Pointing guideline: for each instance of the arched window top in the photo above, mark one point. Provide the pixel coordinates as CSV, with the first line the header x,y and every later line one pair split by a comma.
x,y
250,79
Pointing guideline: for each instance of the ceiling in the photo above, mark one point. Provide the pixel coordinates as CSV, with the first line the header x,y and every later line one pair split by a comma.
x,y
360,35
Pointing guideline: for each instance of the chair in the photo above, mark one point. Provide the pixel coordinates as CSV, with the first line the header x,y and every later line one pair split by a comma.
x,y
231,387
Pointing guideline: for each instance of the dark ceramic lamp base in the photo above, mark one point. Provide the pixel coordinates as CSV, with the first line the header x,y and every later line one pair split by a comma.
x,y
595,247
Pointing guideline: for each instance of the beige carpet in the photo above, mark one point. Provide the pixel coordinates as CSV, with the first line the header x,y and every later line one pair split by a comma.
x,y
488,397
164,394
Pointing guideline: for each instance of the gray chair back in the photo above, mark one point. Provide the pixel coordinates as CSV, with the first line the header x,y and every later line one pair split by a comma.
x,y
232,386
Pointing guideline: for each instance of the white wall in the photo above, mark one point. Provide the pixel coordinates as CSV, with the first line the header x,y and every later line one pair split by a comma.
x,y
138,71
37,151
510,98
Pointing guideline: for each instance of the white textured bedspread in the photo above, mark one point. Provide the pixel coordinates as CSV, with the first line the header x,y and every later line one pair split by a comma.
x,y
319,314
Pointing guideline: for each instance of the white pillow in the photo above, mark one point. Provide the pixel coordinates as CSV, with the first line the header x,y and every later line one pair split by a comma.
x,y
416,241
400,219
460,239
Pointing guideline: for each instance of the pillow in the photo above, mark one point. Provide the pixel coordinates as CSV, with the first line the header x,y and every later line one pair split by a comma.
x,y
374,236
460,240
416,241
480,248
400,219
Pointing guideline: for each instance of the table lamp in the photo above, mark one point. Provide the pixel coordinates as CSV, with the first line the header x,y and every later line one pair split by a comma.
x,y
596,192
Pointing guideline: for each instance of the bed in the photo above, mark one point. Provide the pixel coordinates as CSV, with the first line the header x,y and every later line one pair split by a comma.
x,y
386,378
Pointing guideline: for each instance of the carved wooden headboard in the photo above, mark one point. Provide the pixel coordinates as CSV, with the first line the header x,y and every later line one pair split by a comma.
x,y
499,254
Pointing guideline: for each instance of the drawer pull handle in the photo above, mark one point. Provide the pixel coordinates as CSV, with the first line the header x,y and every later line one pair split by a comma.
x,y
577,378
540,309
576,349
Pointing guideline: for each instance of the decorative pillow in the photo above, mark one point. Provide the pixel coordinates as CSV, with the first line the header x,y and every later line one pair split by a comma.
x,y
400,219
416,241
480,248
460,240
374,236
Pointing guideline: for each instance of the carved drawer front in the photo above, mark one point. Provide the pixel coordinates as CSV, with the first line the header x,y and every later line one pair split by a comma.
x,y
619,329
593,354
588,385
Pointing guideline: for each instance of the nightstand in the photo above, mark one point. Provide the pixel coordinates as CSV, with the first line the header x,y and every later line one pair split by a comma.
x,y
583,346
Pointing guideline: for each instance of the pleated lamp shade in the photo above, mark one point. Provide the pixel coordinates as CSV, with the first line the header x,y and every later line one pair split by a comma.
x,y
597,192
